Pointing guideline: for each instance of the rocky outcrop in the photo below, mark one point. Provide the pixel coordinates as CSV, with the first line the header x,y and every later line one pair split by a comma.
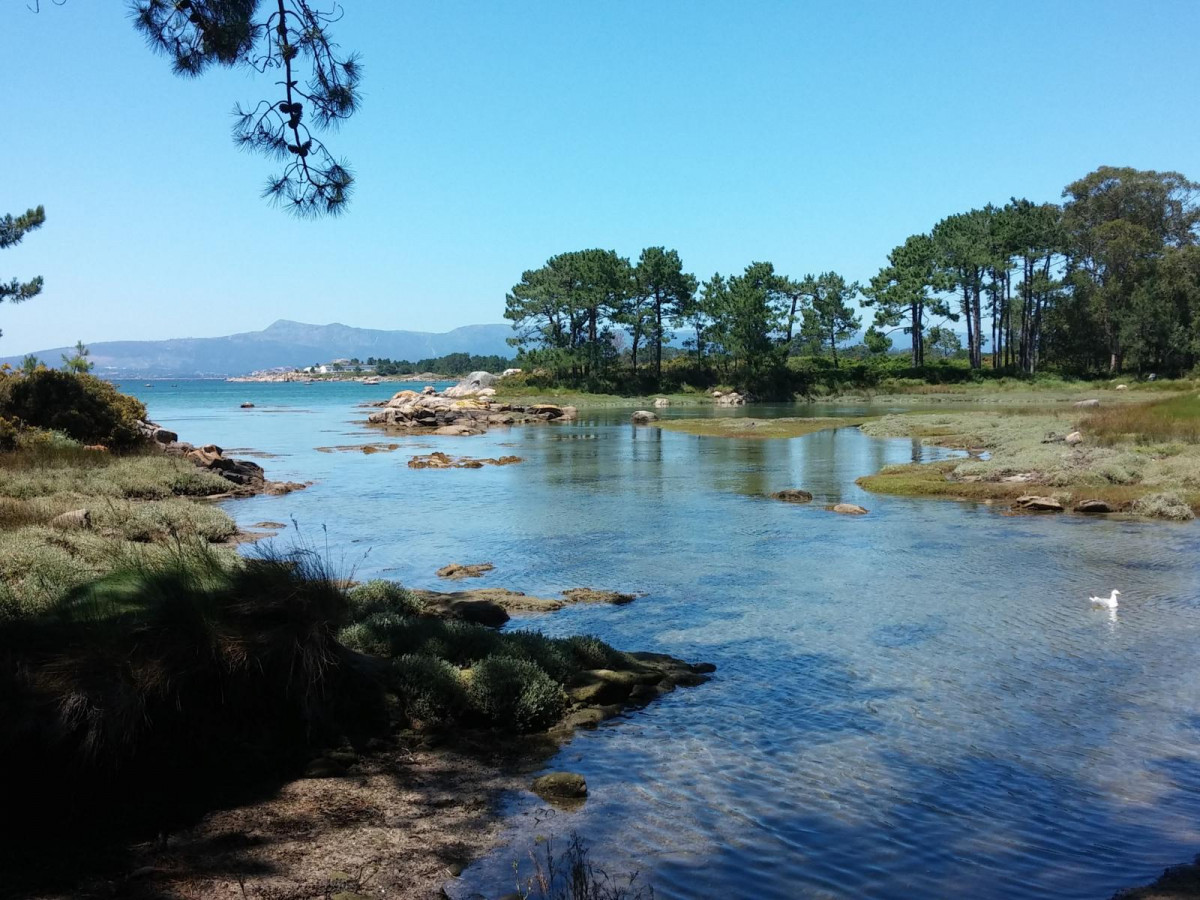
x,y
733,398
463,416
471,385
643,417
244,476
1037,504
492,606
792,495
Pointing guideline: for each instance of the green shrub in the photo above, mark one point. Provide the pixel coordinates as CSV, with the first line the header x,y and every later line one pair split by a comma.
x,y
83,407
430,690
381,596
1167,505
515,694
8,436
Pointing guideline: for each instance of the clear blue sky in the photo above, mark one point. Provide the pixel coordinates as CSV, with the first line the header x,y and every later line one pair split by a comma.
x,y
813,135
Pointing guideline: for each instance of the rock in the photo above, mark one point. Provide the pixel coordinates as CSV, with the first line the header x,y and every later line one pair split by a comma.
x,y
1093,506
848,509
1087,404
428,390
268,525
95,448
591,595
76,518
162,436
643,417
792,495
1074,438
733,398
718,394
1122,387
508,372
439,460
458,430
660,402
456,571
569,412
471,385
547,411
561,786
1038,504
247,406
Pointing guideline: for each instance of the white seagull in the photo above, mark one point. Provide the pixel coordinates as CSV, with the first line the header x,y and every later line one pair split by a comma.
x,y
1109,602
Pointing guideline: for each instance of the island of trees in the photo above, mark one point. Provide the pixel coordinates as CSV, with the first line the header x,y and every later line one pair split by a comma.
x,y
1106,282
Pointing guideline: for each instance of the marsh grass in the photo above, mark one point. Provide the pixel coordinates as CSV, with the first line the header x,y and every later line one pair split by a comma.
x,y
571,875
1026,454
763,429
1175,419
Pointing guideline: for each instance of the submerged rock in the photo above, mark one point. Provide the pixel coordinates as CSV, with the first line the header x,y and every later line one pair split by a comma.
x,y
643,417
561,786
849,509
439,460
792,495
457,571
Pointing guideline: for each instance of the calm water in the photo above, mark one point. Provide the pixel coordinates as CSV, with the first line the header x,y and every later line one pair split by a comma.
x,y
918,702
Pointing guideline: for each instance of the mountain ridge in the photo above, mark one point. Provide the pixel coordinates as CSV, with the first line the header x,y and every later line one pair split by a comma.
x,y
282,343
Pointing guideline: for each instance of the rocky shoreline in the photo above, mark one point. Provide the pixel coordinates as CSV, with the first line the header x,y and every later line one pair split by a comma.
x,y
246,478
403,815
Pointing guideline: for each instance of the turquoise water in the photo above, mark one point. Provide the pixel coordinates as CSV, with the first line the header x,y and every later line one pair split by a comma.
x,y
914,703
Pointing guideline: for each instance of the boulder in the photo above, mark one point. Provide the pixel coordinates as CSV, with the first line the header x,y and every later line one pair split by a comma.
x,y
76,518
1087,404
1038,504
848,509
660,402
643,417
426,391
569,413
792,495
733,398
508,372
1074,438
471,385
547,411
1093,506
561,786
1122,387
162,436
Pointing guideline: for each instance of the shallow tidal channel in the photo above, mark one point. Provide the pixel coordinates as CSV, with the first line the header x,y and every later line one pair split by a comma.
x,y
916,702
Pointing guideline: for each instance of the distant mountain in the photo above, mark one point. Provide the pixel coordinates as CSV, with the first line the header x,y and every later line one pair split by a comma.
x,y
282,344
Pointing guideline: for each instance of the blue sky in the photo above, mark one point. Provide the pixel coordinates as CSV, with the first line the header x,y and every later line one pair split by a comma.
x,y
493,135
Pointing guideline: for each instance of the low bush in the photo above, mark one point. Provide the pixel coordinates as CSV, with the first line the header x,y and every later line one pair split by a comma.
x,y
86,408
515,694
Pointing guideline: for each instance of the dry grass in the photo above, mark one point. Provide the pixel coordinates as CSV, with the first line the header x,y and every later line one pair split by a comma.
x,y
1162,421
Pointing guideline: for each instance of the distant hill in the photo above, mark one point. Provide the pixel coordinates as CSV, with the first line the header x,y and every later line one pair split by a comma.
x,y
282,344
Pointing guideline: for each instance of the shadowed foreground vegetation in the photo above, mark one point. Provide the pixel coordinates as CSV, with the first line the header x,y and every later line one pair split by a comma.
x,y
144,698
1139,458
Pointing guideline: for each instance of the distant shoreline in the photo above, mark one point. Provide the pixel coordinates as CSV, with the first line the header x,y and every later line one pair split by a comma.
x,y
337,376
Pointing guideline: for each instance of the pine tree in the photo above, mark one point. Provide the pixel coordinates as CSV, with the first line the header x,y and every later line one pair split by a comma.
x,y
12,231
